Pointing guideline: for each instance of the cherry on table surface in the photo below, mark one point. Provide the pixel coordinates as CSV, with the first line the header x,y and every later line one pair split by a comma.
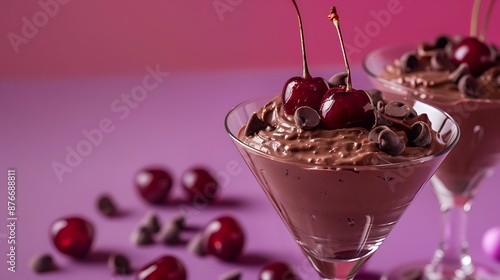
x,y
199,184
154,185
474,53
164,268
224,238
277,271
72,236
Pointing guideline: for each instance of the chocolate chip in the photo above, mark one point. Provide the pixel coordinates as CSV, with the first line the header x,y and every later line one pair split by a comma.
x,y
234,275
254,125
397,109
142,236
380,106
440,62
498,80
442,41
413,113
106,206
337,80
380,119
196,245
493,52
408,62
448,49
169,234
420,134
151,222
461,70
119,264
306,117
43,263
390,143
413,274
179,221
469,86
375,95
373,135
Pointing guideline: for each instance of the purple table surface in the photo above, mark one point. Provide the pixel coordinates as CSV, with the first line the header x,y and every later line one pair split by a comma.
x,y
178,124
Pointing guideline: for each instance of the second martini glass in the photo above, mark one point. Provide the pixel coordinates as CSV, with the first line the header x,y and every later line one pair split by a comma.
x,y
339,214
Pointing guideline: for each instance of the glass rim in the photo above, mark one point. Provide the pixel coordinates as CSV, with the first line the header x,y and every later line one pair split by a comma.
x,y
412,162
368,70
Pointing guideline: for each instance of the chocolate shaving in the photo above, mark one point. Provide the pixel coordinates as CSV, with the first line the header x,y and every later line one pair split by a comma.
x,y
461,70
119,264
375,95
234,275
43,263
254,125
373,135
390,143
306,117
337,80
397,109
469,86
408,62
420,134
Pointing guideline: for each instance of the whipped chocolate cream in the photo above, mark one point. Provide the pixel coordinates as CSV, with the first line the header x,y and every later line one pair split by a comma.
x,y
283,138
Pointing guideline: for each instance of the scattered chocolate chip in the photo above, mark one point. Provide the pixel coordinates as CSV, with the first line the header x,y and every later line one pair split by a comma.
x,y
43,263
469,86
119,264
390,143
380,119
306,117
254,125
169,234
413,274
408,62
142,236
461,70
196,245
442,41
151,222
380,106
375,95
397,109
106,206
373,135
420,134
234,275
338,79
440,62
179,221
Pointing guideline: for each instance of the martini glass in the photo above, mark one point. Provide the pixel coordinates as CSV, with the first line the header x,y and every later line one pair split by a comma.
x,y
456,182
339,215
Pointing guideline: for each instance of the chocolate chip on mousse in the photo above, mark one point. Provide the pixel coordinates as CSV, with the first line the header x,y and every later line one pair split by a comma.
x,y
375,95
390,143
337,80
442,41
420,134
373,135
461,70
43,263
306,117
397,109
254,125
380,106
408,62
380,119
119,264
469,86
440,62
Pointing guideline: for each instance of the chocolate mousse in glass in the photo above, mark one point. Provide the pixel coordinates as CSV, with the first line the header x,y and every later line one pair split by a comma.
x,y
339,172
462,77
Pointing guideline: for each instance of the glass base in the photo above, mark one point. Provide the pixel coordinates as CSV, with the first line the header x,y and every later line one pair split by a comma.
x,y
416,271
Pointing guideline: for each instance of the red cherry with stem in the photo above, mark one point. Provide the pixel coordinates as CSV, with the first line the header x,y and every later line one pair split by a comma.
x,y
474,53
345,107
164,268
277,271
305,90
200,185
72,236
224,238
154,185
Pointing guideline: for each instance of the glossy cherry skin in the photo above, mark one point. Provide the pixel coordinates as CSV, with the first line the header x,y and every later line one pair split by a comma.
x,y
224,238
164,268
72,236
200,185
277,271
154,185
303,91
342,109
475,53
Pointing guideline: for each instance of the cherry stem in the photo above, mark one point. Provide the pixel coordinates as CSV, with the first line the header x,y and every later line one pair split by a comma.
x,y
487,21
302,42
475,18
334,17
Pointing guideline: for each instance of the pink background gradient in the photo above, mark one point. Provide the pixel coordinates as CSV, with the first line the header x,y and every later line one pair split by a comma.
x,y
92,36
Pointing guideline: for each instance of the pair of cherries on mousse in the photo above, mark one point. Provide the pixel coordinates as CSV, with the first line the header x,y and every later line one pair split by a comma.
x,y
338,107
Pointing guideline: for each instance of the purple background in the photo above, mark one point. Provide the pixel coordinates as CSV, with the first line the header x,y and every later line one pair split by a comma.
x,y
177,125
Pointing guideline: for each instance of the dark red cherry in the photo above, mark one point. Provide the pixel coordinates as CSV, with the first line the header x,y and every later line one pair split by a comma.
x,y
154,185
164,268
200,185
277,271
305,90
474,53
72,236
343,109
224,238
